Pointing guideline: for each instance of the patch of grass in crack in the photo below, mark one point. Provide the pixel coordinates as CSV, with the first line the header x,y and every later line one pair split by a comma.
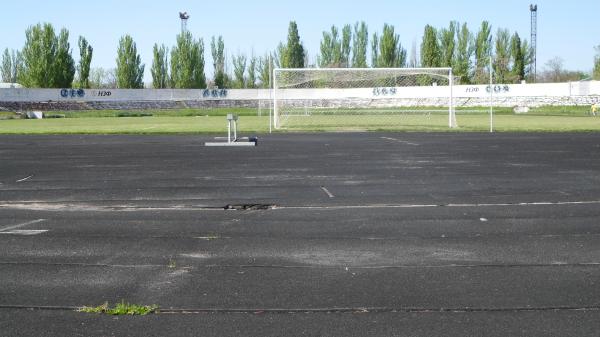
x,y
122,308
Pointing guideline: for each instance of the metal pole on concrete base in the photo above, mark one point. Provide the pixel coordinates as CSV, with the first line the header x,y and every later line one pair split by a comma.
x,y
233,141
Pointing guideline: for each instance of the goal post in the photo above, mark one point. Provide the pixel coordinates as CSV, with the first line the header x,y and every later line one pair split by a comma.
x,y
363,98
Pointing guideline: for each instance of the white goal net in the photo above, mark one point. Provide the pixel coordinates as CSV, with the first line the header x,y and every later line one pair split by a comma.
x,y
365,98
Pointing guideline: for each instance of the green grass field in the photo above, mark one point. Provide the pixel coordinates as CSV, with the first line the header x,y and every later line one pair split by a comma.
x,y
130,125
550,119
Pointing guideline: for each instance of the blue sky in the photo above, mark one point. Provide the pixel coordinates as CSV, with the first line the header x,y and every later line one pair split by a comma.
x,y
568,29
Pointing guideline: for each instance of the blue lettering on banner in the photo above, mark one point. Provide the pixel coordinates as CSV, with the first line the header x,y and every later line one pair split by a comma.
x,y
214,93
472,89
73,93
384,91
498,88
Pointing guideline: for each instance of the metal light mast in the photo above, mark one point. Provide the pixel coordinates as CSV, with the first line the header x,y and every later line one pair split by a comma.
x,y
184,19
533,67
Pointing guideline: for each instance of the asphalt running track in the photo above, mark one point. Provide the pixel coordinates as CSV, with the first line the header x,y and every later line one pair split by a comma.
x,y
369,234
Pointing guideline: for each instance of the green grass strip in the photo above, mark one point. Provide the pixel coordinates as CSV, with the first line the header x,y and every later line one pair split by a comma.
x,y
254,124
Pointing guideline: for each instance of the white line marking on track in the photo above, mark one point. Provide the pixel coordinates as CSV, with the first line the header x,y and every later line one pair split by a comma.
x,y
25,232
544,203
329,194
26,178
399,141
9,228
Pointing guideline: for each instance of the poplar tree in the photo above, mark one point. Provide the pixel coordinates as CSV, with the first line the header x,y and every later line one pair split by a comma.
x,y
335,50
430,49
596,72
217,48
160,68
239,69
527,59
448,44
265,65
251,80
85,53
345,46
360,41
7,66
130,70
187,63
46,58
464,53
391,54
502,56
280,55
483,48
17,66
64,66
375,50
331,49
294,51
518,59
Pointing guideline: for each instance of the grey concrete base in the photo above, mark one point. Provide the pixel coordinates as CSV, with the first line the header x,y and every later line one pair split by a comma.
x,y
222,144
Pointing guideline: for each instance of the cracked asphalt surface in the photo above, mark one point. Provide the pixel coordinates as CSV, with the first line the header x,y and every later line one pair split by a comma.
x,y
368,234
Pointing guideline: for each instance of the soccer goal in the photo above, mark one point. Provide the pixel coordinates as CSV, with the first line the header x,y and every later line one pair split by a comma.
x,y
363,98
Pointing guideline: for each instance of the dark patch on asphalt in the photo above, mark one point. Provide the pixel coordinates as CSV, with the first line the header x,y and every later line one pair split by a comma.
x,y
249,207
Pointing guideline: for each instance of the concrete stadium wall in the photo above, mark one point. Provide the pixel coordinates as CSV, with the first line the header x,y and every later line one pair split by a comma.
x,y
574,93
124,95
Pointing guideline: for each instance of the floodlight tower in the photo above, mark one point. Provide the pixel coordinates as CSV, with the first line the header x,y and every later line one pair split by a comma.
x,y
533,67
184,19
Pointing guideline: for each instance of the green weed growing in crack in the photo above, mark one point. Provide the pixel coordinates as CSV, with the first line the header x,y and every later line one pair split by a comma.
x,y
122,308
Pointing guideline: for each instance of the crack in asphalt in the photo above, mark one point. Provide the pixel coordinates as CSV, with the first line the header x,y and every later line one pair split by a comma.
x,y
327,310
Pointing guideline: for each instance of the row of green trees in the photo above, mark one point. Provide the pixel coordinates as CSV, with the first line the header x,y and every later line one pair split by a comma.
x,y
185,67
46,60
455,46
